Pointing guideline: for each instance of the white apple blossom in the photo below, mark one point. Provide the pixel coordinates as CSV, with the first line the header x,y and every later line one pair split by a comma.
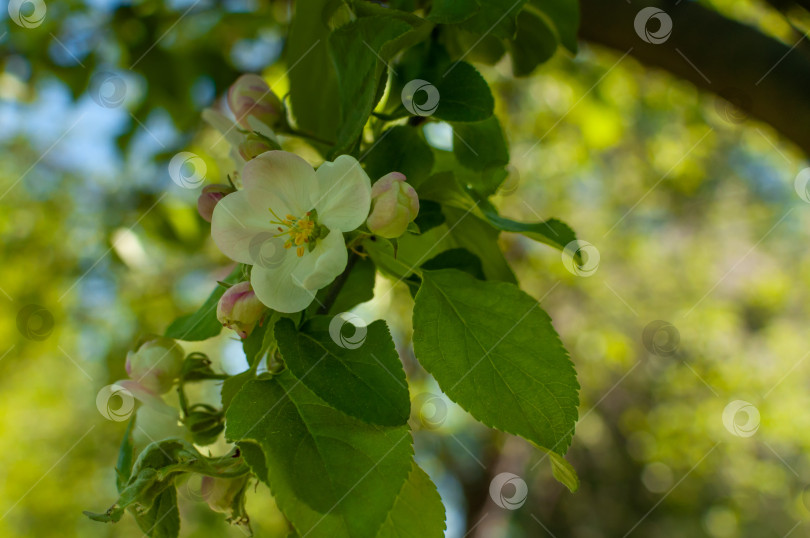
x,y
288,222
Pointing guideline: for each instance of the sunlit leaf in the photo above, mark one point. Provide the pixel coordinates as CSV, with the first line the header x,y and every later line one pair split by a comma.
x,y
493,351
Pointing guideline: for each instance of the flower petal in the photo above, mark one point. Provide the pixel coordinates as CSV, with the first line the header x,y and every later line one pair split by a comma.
x,y
229,130
321,266
345,194
274,285
285,175
260,127
238,227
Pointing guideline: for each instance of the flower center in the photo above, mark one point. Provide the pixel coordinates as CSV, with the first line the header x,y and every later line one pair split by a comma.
x,y
302,231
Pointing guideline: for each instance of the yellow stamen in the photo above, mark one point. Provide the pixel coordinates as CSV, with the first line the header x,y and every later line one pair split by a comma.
x,y
299,231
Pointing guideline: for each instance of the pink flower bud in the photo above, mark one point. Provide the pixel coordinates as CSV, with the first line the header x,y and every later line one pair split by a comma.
x,y
156,364
221,493
239,309
253,146
209,197
251,96
394,205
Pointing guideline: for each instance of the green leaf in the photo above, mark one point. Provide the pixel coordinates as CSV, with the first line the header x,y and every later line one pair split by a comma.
x,y
358,56
331,475
261,341
455,258
495,17
123,469
493,350
473,47
255,458
481,146
385,256
552,232
534,44
163,519
564,16
430,215
444,188
203,324
232,385
464,95
400,149
418,511
451,175
452,11
362,376
563,471
260,338
471,233
358,288
461,230
312,75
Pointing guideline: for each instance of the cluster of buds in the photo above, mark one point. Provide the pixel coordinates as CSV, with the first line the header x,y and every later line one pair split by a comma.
x,y
239,309
256,110
394,205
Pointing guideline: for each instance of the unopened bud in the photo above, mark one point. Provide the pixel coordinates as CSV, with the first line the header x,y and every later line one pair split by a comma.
x,y
210,197
239,309
156,364
394,205
253,146
251,96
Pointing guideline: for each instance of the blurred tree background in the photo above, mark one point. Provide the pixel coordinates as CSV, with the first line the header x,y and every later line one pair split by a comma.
x,y
691,202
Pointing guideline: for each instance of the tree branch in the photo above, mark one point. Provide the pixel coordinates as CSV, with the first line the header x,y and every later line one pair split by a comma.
x,y
759,74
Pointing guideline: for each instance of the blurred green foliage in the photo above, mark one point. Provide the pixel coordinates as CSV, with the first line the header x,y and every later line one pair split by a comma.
x,y
691,207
